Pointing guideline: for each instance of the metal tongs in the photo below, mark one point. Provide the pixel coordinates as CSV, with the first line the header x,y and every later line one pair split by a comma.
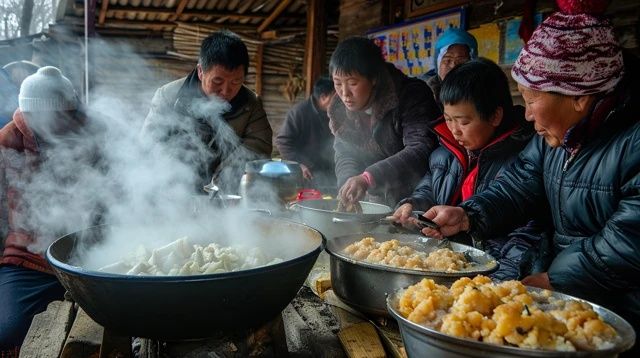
x,y
422,222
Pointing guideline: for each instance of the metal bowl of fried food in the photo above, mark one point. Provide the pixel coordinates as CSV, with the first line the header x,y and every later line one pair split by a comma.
x,y
424,341
364,285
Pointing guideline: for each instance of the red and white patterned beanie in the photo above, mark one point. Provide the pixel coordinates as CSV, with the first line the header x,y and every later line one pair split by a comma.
x,y
573,52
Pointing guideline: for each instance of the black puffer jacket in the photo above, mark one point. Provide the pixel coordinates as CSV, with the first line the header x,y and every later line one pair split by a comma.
x,y
519,253
595,204
448,163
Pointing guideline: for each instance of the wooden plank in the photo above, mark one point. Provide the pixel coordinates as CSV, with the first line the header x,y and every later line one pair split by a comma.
x,y
390,334
115,346
103,11
179,10
258,62
48,331
315,44
85,338
274,15
361,340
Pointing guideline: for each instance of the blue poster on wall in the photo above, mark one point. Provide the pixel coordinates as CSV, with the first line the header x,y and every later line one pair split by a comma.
x,y
512,42
409,46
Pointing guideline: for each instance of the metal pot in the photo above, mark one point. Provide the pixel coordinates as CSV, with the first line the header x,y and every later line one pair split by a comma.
x,y
270,180
322,215
420,341
364,286
186,307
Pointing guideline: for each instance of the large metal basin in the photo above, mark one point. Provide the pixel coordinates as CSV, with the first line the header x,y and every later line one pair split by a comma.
x,y
186,307
321,214
420,341
364,286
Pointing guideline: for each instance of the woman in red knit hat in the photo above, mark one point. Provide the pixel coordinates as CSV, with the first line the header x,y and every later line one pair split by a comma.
x,y
584,100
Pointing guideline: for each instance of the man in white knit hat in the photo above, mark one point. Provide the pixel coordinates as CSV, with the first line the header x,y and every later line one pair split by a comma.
x,y
47,112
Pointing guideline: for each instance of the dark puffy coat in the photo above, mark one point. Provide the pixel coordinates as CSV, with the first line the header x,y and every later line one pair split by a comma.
x,y
594,198
443,182
395,151
305,137
448,163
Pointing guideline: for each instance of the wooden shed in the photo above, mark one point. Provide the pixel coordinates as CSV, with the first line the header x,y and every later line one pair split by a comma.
x,y
134,46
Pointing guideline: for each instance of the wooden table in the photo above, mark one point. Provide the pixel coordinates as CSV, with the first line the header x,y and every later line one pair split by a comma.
x,y
308,327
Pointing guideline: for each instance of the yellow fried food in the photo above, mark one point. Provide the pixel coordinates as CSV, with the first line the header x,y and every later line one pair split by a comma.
x,y
505,313
392,253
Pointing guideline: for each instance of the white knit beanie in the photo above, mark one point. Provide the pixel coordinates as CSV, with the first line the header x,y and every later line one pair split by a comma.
x,y
47,90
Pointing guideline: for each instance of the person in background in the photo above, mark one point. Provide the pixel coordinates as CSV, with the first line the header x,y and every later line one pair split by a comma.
x,y
584,165
380,119
305,137
47,112
8,98
195,102
11,77
453,47
481,134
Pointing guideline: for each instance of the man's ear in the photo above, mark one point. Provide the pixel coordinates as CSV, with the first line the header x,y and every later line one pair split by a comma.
x,y
200,72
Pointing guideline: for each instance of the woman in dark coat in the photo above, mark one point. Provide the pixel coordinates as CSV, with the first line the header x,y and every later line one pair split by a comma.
x,y
380,120
585,164
481,134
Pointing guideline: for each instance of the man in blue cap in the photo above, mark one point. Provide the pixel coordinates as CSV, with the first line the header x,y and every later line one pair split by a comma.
x,y
453,47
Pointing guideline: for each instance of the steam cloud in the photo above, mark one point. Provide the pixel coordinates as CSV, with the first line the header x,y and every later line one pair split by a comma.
x,y
115,173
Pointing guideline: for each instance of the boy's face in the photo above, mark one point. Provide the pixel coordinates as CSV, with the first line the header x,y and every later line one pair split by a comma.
x,y
469,130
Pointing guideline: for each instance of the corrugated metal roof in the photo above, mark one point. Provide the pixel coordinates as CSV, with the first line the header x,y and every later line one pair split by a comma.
x,y
162,14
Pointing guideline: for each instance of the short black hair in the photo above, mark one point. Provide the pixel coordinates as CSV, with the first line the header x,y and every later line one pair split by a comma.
x,y
481,82
323,86
357,55
223,48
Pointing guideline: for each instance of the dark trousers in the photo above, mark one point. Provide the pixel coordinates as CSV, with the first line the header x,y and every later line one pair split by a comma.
x,y
23,294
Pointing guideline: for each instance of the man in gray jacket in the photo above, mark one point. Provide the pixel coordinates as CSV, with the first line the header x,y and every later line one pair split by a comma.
x,y
214,122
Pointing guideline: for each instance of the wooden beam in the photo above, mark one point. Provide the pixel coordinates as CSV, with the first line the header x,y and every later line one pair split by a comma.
x,y
179,10
199,13
315,44
258,62
274,15
103,11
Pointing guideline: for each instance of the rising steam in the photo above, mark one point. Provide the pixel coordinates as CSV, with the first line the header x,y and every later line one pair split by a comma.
x,y
113,172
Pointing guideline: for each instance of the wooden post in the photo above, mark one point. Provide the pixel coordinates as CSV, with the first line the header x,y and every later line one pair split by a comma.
x,y
259,57
316,43
103,12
